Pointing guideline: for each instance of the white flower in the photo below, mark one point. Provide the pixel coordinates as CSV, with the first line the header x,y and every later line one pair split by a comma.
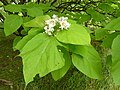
x,y
50,22
48,30
64,25
62,19
55,17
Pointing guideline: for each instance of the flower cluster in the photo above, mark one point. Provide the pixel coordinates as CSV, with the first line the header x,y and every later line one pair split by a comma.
x,y
52,23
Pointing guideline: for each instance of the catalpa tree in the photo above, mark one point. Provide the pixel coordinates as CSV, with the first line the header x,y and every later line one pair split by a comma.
x,y
53,35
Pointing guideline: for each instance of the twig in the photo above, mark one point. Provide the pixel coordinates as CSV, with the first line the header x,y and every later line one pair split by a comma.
x,y
6,82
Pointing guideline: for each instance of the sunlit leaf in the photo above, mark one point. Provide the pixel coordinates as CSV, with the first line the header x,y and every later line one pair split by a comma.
x,y
13,8
114,24
87,60
37,22
40,55
76,34
12,23
34,12
116,60
57,74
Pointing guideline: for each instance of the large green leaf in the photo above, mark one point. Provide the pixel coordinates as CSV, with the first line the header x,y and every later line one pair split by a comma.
x,y
12,23
41,55
57,74
35,31
35,11
22,42
87,60
76,34
32,32
116,60
40,5
37,22
114,24
13,8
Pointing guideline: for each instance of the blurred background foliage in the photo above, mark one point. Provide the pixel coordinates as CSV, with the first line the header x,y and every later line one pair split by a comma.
x,y
93,14
90,13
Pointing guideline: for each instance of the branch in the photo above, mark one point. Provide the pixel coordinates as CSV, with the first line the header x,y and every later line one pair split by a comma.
x,y
22,1
53,2
1,17
6,82
38,1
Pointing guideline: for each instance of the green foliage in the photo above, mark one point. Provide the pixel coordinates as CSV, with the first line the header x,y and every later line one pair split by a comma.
x,y
95,15
14,8
55,53
41,56
116,60
106,7
84,18
107,42
77,34
37,22
23,41
31,8
16,40
57,74
101,34
85,59
114,24
33,12
12,23
46,52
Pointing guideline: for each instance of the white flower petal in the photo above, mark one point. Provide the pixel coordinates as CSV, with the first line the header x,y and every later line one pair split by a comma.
x,y
50,22
64,25
46,27
55,17
62,19
48,30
